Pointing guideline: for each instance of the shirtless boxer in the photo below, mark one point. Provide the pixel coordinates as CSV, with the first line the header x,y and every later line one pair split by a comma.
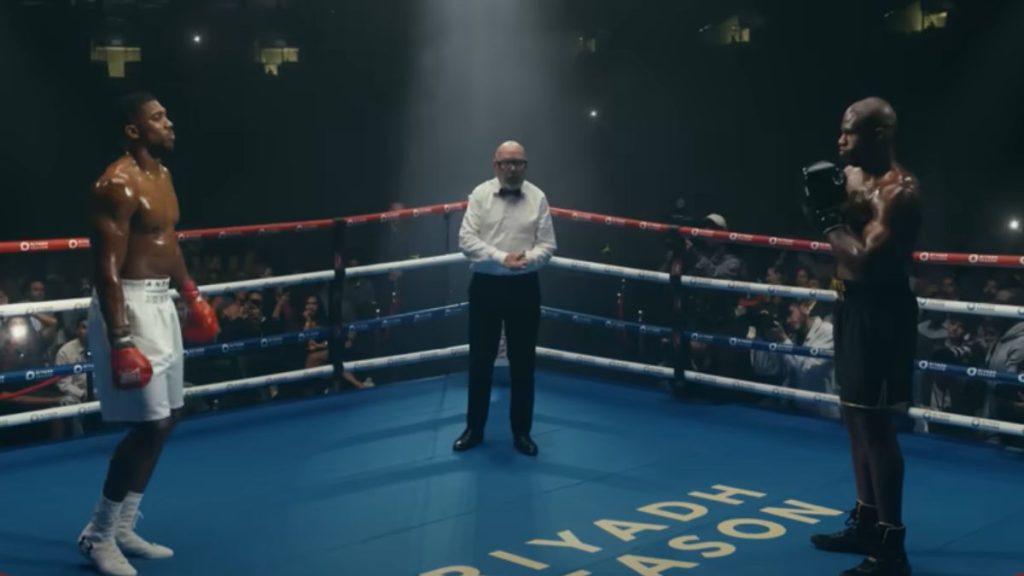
x,y
135,337
870,211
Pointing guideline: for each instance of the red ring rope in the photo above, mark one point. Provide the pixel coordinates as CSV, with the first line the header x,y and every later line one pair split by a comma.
x,y
940,258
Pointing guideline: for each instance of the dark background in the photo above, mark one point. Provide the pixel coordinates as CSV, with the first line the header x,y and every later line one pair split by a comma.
x,y
406,101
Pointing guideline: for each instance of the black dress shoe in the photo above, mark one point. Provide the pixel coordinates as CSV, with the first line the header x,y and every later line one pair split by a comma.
x,y
525,445
468,439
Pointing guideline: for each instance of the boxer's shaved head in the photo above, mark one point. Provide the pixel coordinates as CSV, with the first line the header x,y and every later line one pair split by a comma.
x,y
873,113
867,130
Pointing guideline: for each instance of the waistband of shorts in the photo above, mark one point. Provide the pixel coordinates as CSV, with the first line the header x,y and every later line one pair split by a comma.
x,y
146,285
856,288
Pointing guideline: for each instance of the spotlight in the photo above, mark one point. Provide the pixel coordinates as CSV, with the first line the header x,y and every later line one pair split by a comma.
x,y
1015,224
197,39
593,113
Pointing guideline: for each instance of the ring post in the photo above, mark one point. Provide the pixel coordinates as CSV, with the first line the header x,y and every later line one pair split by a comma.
x,y
336,344
680,343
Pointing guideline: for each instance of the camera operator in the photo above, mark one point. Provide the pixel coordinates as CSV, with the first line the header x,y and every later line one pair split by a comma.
x,y
806,328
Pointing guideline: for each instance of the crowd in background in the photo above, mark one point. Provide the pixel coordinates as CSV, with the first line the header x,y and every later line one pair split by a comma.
x,y
43,339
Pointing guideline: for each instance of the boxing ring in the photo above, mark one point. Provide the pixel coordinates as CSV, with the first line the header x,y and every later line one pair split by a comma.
x,y
630,480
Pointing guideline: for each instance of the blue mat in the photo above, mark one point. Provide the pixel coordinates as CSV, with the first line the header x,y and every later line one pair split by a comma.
x,y
366,484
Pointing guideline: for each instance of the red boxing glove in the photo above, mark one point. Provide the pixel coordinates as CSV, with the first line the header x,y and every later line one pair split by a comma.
x,y
202,326
131,368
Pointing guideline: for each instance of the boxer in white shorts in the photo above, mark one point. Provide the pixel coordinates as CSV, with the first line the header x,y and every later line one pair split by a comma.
x,y
135,337
153,321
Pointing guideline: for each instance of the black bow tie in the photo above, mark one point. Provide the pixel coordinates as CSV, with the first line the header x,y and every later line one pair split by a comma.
x,y
505,193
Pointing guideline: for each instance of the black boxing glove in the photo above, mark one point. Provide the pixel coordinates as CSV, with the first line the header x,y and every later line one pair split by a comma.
x,y
824,195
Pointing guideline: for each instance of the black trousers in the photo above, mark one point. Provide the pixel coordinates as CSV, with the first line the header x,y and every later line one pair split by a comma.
x,y
512,301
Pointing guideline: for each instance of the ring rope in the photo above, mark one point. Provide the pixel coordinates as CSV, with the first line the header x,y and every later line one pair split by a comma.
x,y
258,343
820,295
775,391
922,257
46,414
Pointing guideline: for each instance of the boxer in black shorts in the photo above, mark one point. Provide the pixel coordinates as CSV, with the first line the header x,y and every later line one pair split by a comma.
x,y
870,211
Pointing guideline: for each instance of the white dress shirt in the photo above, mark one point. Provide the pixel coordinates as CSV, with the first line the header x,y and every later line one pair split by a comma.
x,y
495,226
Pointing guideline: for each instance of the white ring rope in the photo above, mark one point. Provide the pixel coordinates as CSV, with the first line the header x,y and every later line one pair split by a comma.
x,y
776,391
46,414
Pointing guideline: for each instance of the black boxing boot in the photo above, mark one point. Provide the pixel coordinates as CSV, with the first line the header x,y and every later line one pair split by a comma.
x,y
858,536
889,558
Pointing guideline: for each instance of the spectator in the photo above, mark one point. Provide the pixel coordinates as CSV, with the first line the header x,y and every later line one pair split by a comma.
x,y
948,289
44,326
314,318
74,389
718,262
1006,355
952,393
284,313
802,278
812,373
989,291
713,260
